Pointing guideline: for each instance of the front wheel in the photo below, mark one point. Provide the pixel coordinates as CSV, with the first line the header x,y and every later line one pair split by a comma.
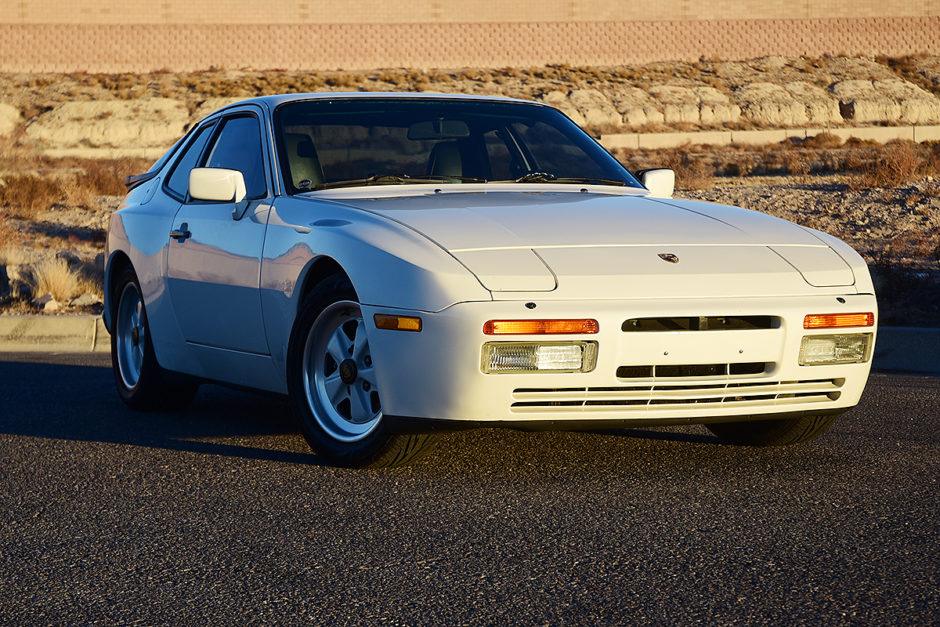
x,y
333,386
772,432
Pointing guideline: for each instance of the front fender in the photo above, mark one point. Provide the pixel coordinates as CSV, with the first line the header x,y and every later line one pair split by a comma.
x,y
390,265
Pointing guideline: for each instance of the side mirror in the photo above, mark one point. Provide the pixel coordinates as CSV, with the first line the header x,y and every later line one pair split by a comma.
x,y
217,185
661,182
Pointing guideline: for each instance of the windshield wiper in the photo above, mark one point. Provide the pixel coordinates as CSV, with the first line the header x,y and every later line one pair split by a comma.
x,y
590,180
545,177
448,178
536,177
376,179
398,179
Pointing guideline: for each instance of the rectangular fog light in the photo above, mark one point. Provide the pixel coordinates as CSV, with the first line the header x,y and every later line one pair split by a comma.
x,y
521,357
825,350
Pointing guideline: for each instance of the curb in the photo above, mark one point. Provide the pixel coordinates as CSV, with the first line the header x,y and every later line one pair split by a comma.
x,y
54,334
897,349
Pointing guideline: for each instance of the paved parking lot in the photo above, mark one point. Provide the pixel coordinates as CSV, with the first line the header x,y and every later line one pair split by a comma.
x,y
222,514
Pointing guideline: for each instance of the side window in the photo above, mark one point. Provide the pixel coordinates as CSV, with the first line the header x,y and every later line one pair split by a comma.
x,y
238,147
178,183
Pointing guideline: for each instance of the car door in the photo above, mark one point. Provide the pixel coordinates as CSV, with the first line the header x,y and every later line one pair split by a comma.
x,y
214,252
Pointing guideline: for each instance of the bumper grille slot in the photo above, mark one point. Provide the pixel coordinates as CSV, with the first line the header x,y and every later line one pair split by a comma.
x,y
691,370
700,323
656,397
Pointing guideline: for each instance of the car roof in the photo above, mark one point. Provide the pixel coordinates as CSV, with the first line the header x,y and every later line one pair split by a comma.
x,y
277,100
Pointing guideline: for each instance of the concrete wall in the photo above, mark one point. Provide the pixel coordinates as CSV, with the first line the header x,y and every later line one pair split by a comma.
x,y
134,36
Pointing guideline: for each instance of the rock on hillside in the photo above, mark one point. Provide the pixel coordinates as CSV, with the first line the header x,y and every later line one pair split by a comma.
x,y
155,122
638,107
142,115
9,119
790,105
891,99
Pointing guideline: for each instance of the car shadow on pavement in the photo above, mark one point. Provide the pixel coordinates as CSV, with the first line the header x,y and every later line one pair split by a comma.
x,y
664,433
79,402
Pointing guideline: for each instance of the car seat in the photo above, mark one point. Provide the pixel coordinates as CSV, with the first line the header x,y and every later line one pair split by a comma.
x,y
305,170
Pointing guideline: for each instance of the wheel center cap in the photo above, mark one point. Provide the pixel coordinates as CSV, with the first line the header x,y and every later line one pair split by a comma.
x,y
348,371
135,336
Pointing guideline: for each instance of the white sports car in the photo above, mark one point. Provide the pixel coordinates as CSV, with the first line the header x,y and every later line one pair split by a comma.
x,y
404,263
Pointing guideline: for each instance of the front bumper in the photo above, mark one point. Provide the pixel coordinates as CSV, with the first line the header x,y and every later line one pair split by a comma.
x,y
436,374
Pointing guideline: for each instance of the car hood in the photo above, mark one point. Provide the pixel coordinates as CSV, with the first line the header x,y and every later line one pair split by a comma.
x,y
576,245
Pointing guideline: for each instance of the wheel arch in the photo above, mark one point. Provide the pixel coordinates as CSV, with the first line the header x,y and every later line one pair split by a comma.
x,y
316,272
113,269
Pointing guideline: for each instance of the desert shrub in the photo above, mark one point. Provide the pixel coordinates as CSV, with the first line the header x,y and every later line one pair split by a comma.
x,y
896,164
26,196
823,141
106,177
691,172
53,276
932,161
797,163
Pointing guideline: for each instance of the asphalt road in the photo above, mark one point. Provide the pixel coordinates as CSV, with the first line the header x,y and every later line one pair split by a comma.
x,y
221,514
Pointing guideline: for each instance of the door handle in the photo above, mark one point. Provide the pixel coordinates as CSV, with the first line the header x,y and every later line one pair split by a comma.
x,y
181,234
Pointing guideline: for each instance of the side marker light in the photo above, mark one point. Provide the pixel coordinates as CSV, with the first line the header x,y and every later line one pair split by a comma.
x,y
397,323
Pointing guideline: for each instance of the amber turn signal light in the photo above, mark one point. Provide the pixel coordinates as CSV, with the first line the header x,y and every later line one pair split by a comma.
x,y
836,321
539,327
397,323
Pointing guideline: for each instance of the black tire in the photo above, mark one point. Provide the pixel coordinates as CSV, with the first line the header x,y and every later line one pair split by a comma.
x,y
141,383
772,432
350,431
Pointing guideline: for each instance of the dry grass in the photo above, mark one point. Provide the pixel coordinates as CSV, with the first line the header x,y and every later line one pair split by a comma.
x,y
10,254
10,239
870,165
26,196
897,164
53,276
691,173
822,141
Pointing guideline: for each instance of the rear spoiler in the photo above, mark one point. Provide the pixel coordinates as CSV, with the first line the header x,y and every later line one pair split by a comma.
x,y
135,180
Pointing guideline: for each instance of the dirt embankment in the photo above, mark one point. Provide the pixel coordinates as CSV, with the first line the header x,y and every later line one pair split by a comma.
x,y
140,115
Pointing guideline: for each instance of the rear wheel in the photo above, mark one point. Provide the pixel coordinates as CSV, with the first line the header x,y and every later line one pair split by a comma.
x,y
333,387
141,383
772,432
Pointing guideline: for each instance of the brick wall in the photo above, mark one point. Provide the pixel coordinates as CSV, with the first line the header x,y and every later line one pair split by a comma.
x,y
130,36
442,11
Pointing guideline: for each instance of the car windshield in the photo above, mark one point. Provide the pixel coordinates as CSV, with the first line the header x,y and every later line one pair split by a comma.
x,y
387,141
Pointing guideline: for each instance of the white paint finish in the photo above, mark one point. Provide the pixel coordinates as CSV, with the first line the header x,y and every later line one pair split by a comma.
x,y
660,182
475,221
213,276
216,184
819,265
513,270
702,271
760,227
426,381
863,282
692,347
